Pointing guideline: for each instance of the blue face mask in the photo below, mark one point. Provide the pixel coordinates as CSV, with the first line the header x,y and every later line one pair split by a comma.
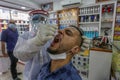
x,y
12,26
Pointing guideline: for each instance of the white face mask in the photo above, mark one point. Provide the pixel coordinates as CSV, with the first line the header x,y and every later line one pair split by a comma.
x,y
57,56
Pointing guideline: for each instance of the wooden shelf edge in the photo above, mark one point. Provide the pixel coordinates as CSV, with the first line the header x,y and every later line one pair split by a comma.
x,y
100,49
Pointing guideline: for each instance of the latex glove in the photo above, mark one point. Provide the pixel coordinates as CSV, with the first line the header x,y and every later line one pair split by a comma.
x,y
86,43
45,32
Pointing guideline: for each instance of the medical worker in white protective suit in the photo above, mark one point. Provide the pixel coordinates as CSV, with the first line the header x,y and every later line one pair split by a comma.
x,y
29,47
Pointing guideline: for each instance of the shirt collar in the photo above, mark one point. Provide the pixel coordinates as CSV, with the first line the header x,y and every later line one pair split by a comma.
x,y
60,70
15,30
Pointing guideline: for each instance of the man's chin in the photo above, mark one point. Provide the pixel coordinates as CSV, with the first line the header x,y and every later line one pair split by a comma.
x,y
51,51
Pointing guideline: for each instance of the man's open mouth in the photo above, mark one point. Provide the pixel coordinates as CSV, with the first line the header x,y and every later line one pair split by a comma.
x,y
57,39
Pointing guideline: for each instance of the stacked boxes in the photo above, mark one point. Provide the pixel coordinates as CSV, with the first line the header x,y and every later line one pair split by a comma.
x,y
81,63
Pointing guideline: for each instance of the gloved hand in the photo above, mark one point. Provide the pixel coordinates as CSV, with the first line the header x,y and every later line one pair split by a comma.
x,y
44,33
86,43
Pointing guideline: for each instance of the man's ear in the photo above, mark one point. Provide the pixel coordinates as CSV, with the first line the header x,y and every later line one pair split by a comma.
x,y
75,49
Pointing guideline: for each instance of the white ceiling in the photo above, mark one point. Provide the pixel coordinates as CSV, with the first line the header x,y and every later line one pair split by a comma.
x,y
29,4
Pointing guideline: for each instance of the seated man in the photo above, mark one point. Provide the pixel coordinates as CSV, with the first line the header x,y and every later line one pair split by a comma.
x,y
65,45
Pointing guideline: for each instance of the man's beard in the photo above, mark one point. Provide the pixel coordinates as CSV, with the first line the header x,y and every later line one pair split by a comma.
x,y
52,51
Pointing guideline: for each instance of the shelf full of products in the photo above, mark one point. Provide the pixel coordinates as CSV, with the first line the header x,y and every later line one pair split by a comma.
x,y
3,24
67,17
21,18
22,25
98,19
82,64
52,18
117,24
89,19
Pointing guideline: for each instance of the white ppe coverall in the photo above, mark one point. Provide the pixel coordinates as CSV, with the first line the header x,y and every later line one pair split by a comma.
x,y
34,56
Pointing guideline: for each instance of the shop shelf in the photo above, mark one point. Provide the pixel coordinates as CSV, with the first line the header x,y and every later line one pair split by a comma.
x,y
52,19
88,22
89,14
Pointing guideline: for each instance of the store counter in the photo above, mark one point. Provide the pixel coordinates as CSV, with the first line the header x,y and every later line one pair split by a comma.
x,y
99,64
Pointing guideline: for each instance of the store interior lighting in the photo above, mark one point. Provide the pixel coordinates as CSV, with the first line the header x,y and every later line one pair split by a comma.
x,y
23,7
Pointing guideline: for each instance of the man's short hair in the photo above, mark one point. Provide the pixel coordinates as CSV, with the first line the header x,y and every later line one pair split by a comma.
x,y
80,31
12,21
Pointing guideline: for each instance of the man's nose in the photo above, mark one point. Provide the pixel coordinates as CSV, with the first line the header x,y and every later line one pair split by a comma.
x,y
60,31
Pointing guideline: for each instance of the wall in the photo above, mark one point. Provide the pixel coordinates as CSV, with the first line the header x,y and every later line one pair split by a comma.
x,y
57,5
85,2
